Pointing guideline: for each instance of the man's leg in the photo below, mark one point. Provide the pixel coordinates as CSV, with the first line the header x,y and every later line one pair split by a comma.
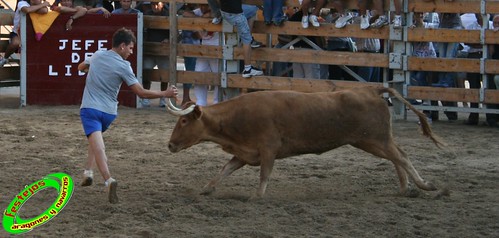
x,y
98,148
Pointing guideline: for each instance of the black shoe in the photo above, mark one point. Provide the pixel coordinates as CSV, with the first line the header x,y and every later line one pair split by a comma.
x,y
267,23
255,44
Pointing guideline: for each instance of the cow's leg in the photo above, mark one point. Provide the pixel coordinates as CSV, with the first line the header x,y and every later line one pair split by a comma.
x,y
231,166
266,167
389,150
402,178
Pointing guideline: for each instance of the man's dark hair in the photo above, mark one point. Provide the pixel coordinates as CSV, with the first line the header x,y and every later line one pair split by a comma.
x,y
123,35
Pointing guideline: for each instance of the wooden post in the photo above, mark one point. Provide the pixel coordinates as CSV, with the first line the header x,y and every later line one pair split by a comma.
x,y
173,42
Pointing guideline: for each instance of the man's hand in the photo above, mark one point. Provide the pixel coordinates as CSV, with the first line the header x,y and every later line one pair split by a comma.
x,y
171,92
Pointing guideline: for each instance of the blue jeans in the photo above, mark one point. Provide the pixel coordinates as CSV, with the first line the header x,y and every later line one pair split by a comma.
x,y
249,11
241,23
272,10
447,50
370,74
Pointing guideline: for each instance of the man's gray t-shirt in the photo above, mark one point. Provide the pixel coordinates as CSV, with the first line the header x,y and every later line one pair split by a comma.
x,y
106,73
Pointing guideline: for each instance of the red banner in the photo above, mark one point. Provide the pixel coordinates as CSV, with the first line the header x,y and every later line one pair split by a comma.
x,y
52,63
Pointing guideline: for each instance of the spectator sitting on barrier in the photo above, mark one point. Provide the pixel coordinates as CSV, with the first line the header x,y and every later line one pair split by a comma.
x,y
126,8
106,71
96,7
306,70
66,6
334,43
272,12
313,18
232,12
249,12
22,8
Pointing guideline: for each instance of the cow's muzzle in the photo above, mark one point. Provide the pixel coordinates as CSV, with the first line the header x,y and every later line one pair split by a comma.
x,y
178,111
172,147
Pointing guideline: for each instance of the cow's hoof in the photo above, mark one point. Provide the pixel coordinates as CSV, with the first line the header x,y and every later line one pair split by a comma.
x,y
431,187
207,190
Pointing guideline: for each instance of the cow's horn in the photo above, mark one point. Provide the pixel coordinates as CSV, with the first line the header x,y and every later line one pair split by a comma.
x,y
177,111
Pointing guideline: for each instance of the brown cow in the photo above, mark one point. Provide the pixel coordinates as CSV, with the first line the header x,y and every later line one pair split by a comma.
x,y
260,127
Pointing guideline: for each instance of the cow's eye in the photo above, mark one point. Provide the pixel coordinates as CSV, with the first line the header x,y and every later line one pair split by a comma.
x,y
183,121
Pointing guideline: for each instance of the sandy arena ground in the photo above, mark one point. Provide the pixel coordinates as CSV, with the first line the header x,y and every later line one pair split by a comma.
x,y
343,193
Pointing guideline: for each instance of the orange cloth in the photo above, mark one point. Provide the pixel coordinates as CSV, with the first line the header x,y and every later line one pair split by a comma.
x,y
42,22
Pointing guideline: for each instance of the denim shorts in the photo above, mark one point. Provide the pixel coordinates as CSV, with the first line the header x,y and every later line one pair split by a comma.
x,y
241,23
249,11
95,120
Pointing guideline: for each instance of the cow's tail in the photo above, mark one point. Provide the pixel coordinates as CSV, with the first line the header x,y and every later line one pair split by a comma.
x,y
425,126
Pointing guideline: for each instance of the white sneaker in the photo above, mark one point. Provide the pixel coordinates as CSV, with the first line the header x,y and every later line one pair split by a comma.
x,y
397,22
343,20
253,71
145,102
112,186
162,102
313,19
216,20
364,22
380,22
304,22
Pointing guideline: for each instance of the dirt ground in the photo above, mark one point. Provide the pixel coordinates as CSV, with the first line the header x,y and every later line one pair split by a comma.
x,y
342,193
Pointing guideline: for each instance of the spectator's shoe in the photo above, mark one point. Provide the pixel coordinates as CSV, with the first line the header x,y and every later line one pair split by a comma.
x,y
162,102
279,22
3,61
343,20
112,186
313,19
247,73
397,22
255,44
216,20
304,22
364,22
380,22
267,23
145,102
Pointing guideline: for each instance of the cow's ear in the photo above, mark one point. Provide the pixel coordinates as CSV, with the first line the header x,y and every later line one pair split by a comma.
x,y
198,112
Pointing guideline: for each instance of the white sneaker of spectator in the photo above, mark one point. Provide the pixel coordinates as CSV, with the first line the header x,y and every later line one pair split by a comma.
x,y
380,22
343,20
216,20
251,71
314,20
397,22
304,21
364,22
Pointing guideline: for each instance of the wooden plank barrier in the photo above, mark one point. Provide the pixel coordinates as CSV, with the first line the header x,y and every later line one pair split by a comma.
x,y
9,74
390,36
